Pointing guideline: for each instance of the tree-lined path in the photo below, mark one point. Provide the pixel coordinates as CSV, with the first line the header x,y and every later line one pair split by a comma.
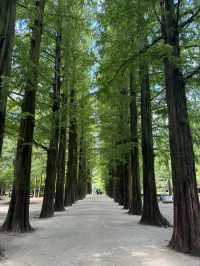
x,y
99,95
95,231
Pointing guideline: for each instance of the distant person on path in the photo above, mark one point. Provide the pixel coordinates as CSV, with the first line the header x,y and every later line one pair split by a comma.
x,y
98,191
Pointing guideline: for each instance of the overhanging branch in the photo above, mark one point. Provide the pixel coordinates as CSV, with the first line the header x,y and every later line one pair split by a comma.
x,y
134,56
40,145
195,14
192,73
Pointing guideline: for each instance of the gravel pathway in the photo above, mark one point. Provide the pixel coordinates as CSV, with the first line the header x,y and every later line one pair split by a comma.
x,y
95,231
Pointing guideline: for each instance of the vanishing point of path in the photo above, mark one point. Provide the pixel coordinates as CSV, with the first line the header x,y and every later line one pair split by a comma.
x,y
95,231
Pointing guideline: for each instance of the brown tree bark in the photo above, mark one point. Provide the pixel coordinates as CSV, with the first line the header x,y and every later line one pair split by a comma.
x,y
114,183
60,182
169,183
109,186
151,214
7,32
126,185
135,197
52,154
72,164
123,165
82,173
18,214
186,231
89,178
118,185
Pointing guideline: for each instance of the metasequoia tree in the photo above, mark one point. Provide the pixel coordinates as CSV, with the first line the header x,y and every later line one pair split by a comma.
x,y
86,152
82,171
72,163
186,231
18,214
135,195
52,153
60,182
124,140
151,213
7,30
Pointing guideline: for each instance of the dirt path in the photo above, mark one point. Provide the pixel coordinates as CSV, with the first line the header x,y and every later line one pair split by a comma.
x,y
94,231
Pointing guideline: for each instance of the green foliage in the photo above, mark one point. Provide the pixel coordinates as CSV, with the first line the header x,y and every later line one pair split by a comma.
x,y
101,41
122,27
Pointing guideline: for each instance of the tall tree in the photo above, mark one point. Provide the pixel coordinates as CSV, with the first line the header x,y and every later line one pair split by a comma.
x,y
72,164
151,214
60,182
186,231
52,153
126,199
82,173
118,184
7,32
123,140
135,197
18,214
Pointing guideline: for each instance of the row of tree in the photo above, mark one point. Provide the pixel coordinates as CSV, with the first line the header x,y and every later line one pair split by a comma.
x,y
147,65
44,99
148,62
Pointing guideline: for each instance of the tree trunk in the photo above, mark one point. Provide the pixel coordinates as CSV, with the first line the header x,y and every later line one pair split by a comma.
x,y
186,231
135,197
89,187
60,183
114,183
52,155
126,185
7,32
123,165
170,187
151,214
72,164
40,184
18,214
82,173
118,185
89,179
110,184
169,183
35,187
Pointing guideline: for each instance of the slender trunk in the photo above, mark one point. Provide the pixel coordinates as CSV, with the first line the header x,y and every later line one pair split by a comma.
x,y
35,187
123,166
89,187
126,185
40,184
109,184
135,197
118,185
18,214
82,174
114,183
72,164
169,183
186,231
60,183
52,155
89,178
170,187
151,214
7,32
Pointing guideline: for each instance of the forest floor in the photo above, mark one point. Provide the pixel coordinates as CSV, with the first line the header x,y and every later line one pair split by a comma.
x,y
95,231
